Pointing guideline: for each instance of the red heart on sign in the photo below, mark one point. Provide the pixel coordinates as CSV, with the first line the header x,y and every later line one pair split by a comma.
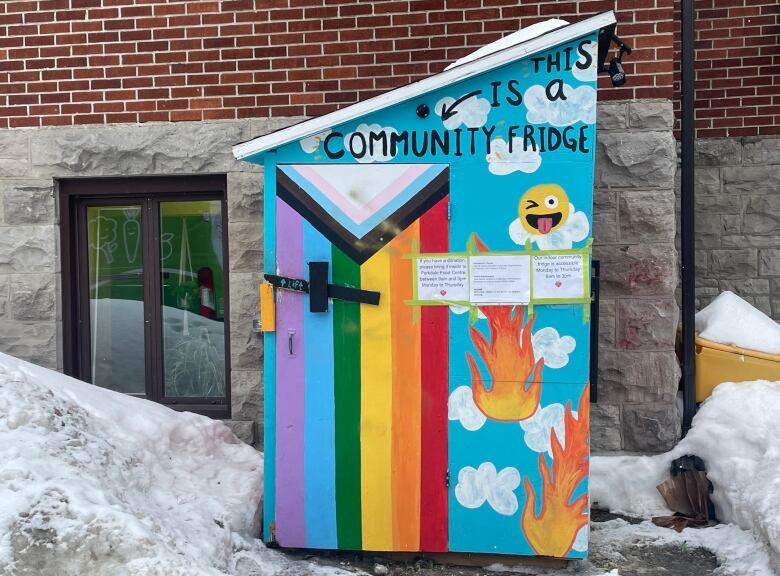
x,y
558,284
443,292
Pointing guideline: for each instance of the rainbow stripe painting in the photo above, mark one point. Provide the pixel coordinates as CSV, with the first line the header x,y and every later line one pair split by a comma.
x,y
361,438
426,380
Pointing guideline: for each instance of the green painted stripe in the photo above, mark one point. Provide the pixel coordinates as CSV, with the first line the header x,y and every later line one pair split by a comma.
x,y
346,351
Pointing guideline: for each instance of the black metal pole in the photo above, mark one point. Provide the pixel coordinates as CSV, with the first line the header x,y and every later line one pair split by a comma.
x,y
594,330
687,137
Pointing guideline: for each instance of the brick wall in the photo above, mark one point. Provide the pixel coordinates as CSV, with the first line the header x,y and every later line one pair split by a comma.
x,y
114,61
737,67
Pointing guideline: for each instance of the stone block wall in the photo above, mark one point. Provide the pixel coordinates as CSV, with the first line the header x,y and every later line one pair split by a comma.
x,y
31,160
634,235
634,224
738,220
29,264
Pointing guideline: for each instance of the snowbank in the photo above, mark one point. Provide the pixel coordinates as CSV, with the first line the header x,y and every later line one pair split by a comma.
x,y
737,551
730,320
96,482
736,432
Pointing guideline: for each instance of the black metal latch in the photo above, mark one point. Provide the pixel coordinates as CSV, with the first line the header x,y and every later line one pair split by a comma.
x,y
319,290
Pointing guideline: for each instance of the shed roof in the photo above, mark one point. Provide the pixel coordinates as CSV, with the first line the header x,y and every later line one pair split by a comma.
x,y
518,45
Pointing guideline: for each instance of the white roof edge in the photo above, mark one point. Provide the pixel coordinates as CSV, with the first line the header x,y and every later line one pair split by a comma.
x,y
415,89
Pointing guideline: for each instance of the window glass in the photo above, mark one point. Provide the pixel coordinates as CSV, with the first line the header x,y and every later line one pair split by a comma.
x,y
116,297
193,312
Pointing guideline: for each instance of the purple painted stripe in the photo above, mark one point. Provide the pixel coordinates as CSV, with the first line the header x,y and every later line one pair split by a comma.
x,y
290,378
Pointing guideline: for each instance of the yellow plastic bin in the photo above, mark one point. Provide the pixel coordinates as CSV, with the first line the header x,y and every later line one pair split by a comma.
x,y
716,363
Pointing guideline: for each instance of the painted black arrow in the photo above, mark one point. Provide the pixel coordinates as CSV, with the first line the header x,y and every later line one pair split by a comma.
x,y
449,112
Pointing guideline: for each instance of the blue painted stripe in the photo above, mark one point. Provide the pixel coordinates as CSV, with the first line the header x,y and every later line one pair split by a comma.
x,y
360,230
269,352
320,430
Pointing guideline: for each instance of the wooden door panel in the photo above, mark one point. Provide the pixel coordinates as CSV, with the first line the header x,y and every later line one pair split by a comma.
x,y
360,396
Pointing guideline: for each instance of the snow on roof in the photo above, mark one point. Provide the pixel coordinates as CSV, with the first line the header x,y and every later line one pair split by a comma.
x,y
521,44
513,39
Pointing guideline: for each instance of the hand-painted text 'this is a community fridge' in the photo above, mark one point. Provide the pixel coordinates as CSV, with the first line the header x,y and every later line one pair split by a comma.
x,y
389,142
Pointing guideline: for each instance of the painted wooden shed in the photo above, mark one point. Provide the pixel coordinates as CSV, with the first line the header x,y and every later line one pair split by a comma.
x,y
427,257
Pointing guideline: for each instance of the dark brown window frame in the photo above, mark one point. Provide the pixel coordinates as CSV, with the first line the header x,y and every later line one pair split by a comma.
x,y
74,195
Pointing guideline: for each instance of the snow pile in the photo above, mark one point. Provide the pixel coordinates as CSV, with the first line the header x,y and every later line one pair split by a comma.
x,y
96,482
730,320
737,551
735,432
626,484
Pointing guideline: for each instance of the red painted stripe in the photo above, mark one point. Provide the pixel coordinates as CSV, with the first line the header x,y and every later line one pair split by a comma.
x,y
434,326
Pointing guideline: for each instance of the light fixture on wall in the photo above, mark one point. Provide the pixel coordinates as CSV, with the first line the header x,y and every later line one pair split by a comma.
x,y
616,72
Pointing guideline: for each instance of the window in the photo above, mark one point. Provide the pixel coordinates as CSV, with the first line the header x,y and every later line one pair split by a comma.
x,y
145,288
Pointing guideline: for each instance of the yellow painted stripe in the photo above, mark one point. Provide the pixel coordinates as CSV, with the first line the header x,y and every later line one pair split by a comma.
x,y
376,405
406,395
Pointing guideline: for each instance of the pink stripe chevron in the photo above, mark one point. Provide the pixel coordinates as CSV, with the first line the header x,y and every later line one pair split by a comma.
x,y
395,188
359,214
310,173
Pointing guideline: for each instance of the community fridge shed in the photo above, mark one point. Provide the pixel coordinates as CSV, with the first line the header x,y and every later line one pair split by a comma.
x,y
426,307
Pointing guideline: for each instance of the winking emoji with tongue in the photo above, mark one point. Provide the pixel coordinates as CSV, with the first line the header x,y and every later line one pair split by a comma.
x,y
544,208
547,218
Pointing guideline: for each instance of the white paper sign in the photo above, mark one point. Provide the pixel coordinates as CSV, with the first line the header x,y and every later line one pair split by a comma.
x,y
500,279
559,276
442,279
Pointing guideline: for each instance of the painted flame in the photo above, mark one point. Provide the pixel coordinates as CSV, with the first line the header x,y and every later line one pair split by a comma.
x,y
509,358
553,531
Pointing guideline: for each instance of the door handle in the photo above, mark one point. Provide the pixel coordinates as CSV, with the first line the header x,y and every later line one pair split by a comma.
x,y
319,290
290,337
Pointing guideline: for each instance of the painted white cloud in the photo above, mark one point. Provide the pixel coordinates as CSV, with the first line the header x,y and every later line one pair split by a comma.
x,y
579,106
551,346
361,143
476,486
581,540
311,144
473,112
575,229
461,407
588,74
538,428
502,162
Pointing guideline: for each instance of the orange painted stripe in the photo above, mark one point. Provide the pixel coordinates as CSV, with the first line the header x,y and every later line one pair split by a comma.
x,y
406,440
